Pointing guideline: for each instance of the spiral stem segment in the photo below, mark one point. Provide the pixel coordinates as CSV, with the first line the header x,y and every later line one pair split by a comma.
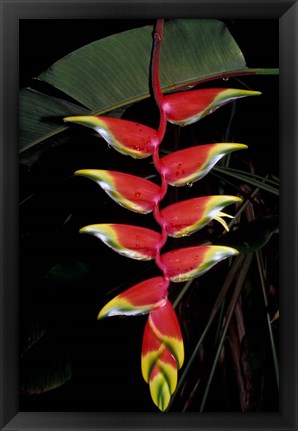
x,y
159,98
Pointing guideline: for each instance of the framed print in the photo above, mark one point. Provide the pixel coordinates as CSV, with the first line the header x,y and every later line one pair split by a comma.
x,y
148,155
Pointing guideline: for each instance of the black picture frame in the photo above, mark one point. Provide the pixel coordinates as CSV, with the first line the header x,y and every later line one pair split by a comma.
x,y
11,13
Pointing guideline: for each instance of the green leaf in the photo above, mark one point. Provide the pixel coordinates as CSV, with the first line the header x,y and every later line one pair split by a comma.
x,y
34,333
68,272
115,71
46,364
41,116
44,370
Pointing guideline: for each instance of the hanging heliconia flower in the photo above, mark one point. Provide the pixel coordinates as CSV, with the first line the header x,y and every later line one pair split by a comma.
x,y
162,348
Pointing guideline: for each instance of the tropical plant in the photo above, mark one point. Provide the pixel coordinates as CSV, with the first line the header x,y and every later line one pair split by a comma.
x,y
162,348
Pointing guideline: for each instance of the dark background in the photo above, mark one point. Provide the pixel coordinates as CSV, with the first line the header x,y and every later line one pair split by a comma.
x,y
105,355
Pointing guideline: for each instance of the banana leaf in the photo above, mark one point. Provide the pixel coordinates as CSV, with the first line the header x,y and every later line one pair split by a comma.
x,y
114,72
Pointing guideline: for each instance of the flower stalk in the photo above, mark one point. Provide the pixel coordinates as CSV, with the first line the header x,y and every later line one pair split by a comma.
x,y
162,348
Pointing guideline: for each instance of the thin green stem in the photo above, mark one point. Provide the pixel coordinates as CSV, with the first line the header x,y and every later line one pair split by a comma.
x,y
227,134
267,71
263,284
248,179
230,312
182,293
220,320
243,206
250,174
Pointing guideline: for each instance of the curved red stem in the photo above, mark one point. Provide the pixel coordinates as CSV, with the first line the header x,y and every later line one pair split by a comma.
x,y
159,98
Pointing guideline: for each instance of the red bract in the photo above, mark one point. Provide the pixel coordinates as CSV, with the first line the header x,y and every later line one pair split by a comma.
x,y
163,380
186,217
131,192
159,368
131,241
192,164
187,107
187,263
127,137
162,353
152,348
164,323
139,299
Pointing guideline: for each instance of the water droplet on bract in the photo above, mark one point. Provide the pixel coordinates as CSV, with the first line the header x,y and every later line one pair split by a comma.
x,y
189,184
125,140
137,147
137,246
179,166
197,257
198,164
138,237
177,260
137,194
